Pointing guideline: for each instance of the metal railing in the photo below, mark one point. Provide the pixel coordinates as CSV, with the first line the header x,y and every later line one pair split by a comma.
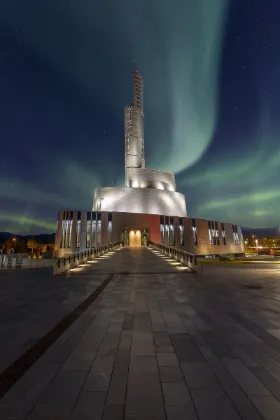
x,y
77,258
184,257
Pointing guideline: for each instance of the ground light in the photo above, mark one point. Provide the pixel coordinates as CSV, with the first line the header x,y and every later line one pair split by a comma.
x,y
182,268
173,262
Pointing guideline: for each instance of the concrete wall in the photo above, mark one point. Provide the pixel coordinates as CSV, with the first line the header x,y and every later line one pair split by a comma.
x,y
122,221
128,220
203,246
140,200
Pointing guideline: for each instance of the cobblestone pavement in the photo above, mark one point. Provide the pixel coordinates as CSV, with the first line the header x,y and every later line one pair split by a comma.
x,y
160,343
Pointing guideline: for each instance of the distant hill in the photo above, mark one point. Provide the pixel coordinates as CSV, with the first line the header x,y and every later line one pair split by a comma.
x,y
261,233
44,238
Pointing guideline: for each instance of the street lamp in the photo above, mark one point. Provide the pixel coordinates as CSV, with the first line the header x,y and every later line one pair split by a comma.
x,y
15,243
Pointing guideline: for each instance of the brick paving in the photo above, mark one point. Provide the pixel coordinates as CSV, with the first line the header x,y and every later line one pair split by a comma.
x,y
162,344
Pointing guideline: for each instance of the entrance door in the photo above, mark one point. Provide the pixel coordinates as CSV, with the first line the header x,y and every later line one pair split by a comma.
x,y
135,238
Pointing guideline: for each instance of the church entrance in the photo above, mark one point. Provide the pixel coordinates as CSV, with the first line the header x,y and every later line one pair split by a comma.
x,y
135,238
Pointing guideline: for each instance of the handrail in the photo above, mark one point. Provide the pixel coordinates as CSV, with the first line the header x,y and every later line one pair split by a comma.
x,y
93,252
177,254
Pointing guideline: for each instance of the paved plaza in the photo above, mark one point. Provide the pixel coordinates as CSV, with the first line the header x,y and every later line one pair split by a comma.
x,y
159,343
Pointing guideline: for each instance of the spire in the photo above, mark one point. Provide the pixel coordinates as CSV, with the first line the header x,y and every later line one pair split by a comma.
x,y
137,90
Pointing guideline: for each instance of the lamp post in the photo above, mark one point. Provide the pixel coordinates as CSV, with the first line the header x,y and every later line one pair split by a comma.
x,y
15,244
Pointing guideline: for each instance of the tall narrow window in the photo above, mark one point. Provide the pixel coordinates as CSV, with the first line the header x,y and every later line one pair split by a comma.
x,y
98,229
224,234
78,230
89,228
194,232
213,233
171,232
217,234
161,228
110,227
211,241
166,230
63,234
235,235
181,230
93,230
67,230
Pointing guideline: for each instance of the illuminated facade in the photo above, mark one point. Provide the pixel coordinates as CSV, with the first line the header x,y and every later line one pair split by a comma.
x,y
147,207
146,191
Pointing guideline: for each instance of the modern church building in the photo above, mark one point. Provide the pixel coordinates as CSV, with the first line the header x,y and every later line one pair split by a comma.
x,y
148,207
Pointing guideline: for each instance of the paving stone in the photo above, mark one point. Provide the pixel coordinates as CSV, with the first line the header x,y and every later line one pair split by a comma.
x,y
220,335
89,405
185,348
167,359
113,413
241,402
268,406
128,322
176,394
97,382
212,404
181,413
171,374
268,380
198,375
79,361
245,378
70,382
163,342
117,389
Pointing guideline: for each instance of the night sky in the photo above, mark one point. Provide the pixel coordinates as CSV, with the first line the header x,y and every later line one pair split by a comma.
x,y
211,73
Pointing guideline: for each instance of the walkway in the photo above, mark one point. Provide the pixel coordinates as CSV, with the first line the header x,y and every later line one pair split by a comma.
x,y
158,346
130,260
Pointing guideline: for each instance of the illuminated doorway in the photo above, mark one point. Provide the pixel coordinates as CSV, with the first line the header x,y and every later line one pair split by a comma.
x,y
135,238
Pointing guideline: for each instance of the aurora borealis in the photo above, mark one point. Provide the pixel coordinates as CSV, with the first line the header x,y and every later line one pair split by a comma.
x,y
211,89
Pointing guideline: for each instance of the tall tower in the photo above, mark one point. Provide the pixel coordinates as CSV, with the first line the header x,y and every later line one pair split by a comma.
x,y
134,129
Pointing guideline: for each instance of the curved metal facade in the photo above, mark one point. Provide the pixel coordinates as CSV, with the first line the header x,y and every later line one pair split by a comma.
x,y
140,200
151,178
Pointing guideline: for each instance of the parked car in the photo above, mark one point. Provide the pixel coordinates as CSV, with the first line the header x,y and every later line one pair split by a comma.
x,y
226,257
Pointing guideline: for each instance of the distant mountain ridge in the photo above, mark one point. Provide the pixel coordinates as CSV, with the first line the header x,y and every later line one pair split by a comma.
x,y
43,238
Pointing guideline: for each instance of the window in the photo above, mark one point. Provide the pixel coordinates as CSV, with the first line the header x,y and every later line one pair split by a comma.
x,y
171,232
93,233
98,229
235,235
109,231
110,227
66,234
224,234
63,234
181,230
213,233
166,234
162,234
88,237
194,232
78,231
210,234
217,238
